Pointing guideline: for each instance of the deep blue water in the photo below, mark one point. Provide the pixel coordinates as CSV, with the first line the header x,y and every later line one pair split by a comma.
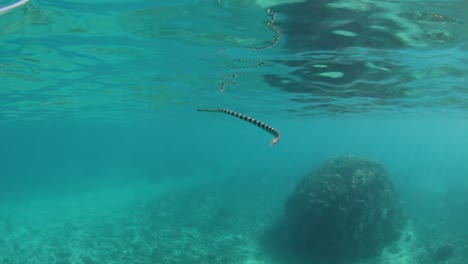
x,y
104,158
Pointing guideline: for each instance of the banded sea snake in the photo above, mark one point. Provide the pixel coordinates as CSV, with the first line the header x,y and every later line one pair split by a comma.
x,y
251,120
10,7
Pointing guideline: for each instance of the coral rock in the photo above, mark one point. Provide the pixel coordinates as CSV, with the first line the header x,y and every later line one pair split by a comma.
x,y
347,210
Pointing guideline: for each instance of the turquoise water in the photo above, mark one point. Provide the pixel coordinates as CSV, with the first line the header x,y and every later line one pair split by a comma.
x,y
104,158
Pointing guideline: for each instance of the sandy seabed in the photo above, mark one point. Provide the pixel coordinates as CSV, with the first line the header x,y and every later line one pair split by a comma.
x,y
165,222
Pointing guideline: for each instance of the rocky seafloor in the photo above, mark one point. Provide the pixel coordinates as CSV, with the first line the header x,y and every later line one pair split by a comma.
x,y
169,223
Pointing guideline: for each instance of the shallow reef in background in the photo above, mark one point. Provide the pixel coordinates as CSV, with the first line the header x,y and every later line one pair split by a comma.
x,y
346,211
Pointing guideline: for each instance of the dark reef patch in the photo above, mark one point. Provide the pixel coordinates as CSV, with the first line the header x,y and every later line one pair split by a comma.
x,y
443,253
345,211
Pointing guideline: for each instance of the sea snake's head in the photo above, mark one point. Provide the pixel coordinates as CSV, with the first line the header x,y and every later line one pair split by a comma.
x,y
275,141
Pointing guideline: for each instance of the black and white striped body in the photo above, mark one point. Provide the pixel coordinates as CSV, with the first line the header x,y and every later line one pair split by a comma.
x,y
251,120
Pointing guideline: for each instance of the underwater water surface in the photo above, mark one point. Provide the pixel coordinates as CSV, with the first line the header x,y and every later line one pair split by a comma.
x,y
104,157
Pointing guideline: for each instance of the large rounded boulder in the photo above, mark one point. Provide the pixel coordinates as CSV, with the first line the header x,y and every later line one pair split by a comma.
x,y
345,211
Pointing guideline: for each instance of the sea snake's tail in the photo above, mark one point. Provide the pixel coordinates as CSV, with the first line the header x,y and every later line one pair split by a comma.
x,y
251,120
